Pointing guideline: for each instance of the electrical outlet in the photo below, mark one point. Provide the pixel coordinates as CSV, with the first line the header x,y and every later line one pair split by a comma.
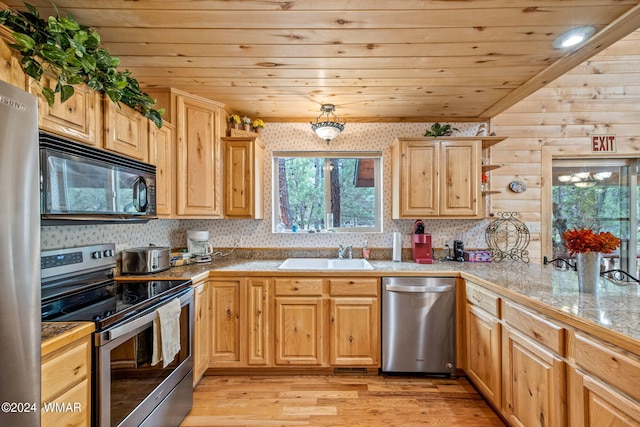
x,y
237,242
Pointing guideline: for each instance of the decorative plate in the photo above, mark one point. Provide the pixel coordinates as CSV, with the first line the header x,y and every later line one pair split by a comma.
x,y
517,186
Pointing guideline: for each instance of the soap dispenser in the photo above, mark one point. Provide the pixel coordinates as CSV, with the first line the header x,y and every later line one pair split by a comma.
x,y
366,252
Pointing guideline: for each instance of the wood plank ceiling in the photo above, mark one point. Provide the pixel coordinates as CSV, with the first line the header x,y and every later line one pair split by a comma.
x,y
376,60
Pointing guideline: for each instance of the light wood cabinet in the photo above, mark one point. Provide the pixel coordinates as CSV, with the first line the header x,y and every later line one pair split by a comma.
x,y
126,131
199,124
603,384
483,353
240,325
243,177
298,321
162,155
354,322
435,177
258,321
66,379
534,382
79,118
201,330
225,321
10,68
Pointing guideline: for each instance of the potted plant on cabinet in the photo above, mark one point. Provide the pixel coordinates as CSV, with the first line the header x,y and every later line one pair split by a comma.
x,y
440,130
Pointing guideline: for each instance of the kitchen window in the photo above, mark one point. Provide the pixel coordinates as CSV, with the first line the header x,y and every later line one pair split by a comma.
x,y
602,195
327,192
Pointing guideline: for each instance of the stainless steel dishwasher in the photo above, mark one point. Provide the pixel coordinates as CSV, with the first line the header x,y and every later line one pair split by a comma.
x,y
418,325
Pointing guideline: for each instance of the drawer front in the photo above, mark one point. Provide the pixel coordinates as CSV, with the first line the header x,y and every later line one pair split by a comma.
x,y
64,368
541,330
354,286
486,300
298,286
612,367
72,408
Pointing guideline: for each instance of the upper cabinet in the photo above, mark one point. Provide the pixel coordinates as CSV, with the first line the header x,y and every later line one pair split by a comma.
x,y
79,117
162,154
243,176
125,131
198,172
10,68
437,177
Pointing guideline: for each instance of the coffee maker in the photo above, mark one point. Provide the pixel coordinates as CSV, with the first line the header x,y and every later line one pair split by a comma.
x,y
198,245
421,244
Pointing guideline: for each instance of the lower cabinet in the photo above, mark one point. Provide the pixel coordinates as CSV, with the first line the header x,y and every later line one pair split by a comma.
x,y
298,321
239,327
66,380
603,384
277,322
201,328
483,353
534,383
225,321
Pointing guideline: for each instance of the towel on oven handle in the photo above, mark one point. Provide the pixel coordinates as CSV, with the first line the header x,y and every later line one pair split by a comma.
x,y
166,333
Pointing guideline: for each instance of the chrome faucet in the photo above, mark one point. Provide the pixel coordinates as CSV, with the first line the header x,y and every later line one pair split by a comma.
x,y
341,251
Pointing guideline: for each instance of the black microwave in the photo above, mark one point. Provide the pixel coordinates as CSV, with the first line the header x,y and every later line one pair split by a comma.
x,y
80,183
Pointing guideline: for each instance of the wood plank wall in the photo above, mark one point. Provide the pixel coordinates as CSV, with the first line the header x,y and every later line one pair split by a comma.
x,y
600,96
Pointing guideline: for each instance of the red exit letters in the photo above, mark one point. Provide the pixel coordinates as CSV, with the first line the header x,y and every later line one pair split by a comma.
x,y
603,143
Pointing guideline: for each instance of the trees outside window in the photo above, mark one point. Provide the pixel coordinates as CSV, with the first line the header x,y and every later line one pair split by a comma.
x,y
327,191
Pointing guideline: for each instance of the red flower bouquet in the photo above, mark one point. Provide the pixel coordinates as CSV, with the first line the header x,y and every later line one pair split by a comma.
x,y
585,240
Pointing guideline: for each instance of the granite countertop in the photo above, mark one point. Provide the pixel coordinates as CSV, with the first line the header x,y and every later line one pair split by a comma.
x,y
613,309
58,334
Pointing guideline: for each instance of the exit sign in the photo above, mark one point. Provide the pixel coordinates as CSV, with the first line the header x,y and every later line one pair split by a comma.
x,y
603,144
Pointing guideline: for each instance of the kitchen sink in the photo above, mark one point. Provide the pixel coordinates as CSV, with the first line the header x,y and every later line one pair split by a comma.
x,y
325,264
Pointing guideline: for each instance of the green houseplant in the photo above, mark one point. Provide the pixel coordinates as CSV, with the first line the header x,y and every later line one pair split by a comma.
x,y
440,130
71,52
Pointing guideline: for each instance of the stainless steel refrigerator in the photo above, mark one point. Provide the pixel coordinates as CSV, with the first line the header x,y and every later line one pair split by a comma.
x,y
19,259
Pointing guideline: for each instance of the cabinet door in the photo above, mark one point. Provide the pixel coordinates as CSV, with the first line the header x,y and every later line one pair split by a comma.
x,y
79,117
354,330
10,68
298,331
161,154
201,328
459,170
243,168
225,321
534,383
594,403
258,349
483,352
419,179
126,131
199,183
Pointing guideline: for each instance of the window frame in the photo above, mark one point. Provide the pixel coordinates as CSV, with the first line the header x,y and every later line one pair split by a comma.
x,y
327,156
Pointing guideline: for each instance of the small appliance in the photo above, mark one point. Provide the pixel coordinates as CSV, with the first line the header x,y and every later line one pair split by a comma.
x,y
198,245
458,250
421,244
146,260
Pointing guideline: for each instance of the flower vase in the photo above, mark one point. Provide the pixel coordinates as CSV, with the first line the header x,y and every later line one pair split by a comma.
x,y
588,270
246,126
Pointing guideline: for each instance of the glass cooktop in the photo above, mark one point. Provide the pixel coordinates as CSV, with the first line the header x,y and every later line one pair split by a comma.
x,y
111,301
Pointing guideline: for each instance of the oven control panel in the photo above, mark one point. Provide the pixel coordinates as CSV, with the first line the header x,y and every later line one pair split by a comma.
x,y
69,260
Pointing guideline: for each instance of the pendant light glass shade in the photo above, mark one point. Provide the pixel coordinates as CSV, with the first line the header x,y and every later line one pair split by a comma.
x,y
327,129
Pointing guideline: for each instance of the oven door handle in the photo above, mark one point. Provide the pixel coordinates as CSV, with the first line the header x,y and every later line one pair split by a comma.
x,y
128,327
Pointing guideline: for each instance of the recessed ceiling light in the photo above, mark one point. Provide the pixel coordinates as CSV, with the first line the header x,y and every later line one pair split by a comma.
x,y
573,37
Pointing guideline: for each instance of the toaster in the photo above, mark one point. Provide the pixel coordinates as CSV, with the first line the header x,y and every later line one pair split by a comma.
x,y
145,260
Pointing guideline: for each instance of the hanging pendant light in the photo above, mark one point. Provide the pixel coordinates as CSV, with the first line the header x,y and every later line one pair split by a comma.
x,y
327,129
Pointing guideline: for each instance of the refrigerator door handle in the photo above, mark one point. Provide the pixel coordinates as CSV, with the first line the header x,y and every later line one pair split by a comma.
x,y
418,289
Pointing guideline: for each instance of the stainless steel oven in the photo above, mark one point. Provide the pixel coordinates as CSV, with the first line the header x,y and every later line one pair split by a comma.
x,y
128,388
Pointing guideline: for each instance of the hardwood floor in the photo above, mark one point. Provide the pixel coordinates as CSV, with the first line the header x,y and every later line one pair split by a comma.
x,y
341,400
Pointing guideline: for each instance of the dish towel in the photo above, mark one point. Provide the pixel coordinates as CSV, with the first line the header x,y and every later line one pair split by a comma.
x,y
166,333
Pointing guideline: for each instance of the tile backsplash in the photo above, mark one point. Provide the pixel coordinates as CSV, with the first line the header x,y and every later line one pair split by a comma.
x,y
257,233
